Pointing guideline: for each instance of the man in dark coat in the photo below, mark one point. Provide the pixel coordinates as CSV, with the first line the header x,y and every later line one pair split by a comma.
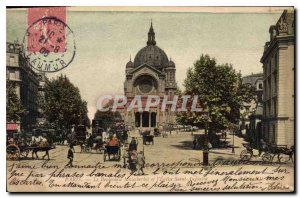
x,y
133,145
70,156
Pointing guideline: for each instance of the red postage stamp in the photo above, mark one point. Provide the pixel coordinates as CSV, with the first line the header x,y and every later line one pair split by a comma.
x,y
46,35
49,42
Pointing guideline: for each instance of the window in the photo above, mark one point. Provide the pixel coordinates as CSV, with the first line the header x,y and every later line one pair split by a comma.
x,y
269,108
273,134
270,66
276,62
260,86
12,74
11,60
275,107
275,82
270,88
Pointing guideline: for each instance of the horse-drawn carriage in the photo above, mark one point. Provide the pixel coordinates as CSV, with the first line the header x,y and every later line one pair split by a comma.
x,y
112,150
148,139
283,153
93,143
78,136
20,150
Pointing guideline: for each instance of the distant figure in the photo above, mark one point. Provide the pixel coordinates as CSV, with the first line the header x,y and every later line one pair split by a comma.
x,y
133,160
35,139
70,156
209,145
125,136
150,132
73,128
263,147
140,163
133,145
113,142
90,141
164,134
45,143
194,143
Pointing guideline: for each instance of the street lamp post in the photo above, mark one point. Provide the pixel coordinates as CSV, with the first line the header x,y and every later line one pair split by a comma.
x,y
233,151
205,150
206,147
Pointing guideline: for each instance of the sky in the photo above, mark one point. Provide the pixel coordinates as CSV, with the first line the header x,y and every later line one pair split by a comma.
x,y
105,40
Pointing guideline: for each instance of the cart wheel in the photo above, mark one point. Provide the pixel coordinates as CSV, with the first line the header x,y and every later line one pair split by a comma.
x,y
246,155
12,152
267,157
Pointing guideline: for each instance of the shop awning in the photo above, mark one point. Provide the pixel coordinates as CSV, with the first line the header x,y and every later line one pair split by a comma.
x,y
11,127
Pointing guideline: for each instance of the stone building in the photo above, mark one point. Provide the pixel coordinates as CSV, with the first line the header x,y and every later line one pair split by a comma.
x,y
150,73
278,65
43,81
19,71
13,74
250,124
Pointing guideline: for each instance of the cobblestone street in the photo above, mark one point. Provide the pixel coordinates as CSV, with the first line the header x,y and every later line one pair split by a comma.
x,y
176,147
171,165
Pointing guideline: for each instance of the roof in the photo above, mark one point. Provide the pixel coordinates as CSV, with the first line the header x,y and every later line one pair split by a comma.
x,y
251,79
152,55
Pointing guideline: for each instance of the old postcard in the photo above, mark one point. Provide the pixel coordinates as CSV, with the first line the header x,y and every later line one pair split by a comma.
x,y
150,99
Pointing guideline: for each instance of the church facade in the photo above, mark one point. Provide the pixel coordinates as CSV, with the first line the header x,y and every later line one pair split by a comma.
x,y
150,73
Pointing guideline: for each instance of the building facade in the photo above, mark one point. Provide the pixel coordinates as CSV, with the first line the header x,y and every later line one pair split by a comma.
x,y
19,71
278,66
250,124
43,81
13,74
151,73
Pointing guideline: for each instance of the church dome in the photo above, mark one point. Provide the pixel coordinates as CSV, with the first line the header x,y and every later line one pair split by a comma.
x,y
171,64
151,54
129,64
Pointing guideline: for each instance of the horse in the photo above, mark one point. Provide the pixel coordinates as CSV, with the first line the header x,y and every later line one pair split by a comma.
x,y
41,147
286,151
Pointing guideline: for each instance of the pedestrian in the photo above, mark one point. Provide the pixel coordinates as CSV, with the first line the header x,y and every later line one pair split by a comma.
x,y
194,143
140,163
132,160
133,144
263,147
209,145
70,156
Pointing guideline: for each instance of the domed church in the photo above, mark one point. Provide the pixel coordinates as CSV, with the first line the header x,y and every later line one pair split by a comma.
x,y
150,73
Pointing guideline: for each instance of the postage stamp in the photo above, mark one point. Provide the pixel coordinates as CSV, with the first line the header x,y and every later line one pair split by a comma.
x,y
49,41
158,99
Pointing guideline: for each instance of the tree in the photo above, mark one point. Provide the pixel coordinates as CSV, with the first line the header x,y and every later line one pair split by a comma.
x,y
63,105
13,104
108,118
220,91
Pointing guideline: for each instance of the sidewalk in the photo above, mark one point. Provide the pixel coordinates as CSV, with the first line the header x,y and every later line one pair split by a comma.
x,y
227,153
